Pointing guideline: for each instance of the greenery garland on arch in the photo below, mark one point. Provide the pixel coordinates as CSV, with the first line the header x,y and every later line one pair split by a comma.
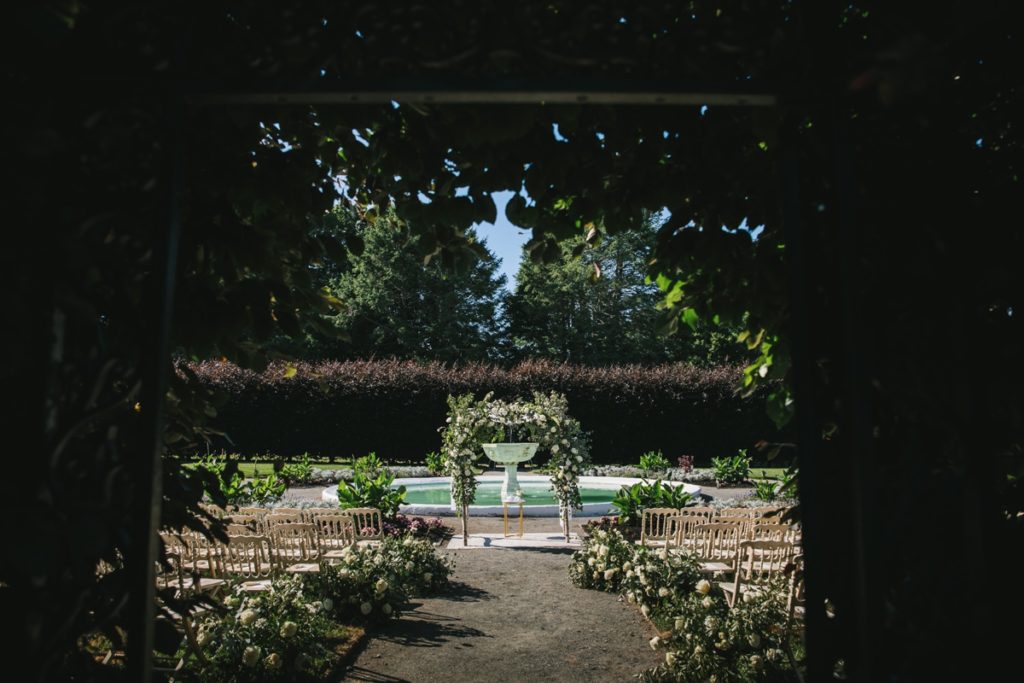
x,y
545,420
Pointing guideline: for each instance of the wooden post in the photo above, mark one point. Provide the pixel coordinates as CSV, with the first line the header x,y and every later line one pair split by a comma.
x,y
465,524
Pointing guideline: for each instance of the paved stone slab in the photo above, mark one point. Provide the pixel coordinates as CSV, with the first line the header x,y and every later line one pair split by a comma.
x,y
527,540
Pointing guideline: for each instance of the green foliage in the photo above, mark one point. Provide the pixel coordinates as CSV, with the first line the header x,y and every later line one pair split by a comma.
x,y
297,473
598,565
631,501
434,462
595,305
227,486
752,641
394,304
653,461
278,635
732,470
372,583
766,490
371,487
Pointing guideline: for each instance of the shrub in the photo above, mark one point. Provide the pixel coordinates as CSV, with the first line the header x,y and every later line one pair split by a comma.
x,y
371,583
435,462
298,473
277,635
371,487
653,461
237,490
659,580
750,642
631,501
733,470
766,490
599,563
417,527
394,407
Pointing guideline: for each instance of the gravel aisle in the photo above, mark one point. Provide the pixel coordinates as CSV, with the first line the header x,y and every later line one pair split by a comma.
x,y
513,616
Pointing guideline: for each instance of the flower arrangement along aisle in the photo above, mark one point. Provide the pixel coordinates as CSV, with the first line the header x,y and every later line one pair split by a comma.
x,y
544,420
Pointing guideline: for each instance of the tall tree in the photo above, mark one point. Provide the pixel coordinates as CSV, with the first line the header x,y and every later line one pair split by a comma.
x,y
394,304
596,305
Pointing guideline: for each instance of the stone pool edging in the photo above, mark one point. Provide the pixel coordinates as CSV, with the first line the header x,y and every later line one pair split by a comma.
x,y
330,495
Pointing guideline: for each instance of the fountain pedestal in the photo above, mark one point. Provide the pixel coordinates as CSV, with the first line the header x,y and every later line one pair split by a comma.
x,y
509,455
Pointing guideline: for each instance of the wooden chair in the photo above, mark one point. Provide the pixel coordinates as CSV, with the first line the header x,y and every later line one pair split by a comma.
x,y
682,536
184,575
248,558
252,522
744,523
757,564
705,513
258,511
367,524
654,526
275,518
773,532
335,532
716,545
295,547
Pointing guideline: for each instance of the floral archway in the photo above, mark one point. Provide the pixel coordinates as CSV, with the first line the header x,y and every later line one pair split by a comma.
x,y
545,419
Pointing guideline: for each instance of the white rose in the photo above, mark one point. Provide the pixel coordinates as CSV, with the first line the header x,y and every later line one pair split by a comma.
x,y
655,642
629,574
663,553
365,608
386,609
591,561
646,610
748,597
609,573
703,587
663,592
679,624
251,655
754,640
205,638
756,663
246,617
631,598
288,629
273,661
554,449
627,565
233,601
706,603
428,577
670,658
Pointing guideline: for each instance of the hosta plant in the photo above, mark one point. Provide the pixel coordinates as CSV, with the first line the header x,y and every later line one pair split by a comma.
x,y
732,470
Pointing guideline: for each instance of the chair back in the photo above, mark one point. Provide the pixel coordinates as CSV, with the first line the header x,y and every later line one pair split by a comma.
x,y
682,535
717,541
294,542
246,557
367,523
277,517
705,513
761,561
654,524
335,531
773,532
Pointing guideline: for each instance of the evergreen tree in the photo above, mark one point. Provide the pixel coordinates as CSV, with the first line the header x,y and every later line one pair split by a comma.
x,y
395,305
595,306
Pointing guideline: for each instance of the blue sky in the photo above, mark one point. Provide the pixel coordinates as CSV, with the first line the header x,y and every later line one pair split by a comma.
x,y
504,239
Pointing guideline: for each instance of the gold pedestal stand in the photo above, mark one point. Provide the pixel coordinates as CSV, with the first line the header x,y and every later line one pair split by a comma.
x,y
505,505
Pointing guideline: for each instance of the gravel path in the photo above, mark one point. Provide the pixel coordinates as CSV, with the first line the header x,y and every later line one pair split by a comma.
x,y
512,615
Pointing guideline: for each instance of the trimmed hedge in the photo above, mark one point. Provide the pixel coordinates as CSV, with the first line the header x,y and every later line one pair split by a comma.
x,y
396,407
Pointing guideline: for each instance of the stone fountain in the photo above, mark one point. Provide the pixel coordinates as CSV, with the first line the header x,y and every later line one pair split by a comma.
x,y
509,455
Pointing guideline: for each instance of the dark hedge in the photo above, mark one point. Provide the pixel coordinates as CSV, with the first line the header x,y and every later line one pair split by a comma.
x,y
339,409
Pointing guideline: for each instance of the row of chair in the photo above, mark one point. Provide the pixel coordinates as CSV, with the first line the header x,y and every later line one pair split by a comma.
x,y
747,547
260,546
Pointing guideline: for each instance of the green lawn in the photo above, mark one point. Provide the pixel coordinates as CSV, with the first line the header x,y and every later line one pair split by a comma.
x,y
766,472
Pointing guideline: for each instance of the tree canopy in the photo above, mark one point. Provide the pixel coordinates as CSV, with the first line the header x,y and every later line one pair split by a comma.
x,y
884,291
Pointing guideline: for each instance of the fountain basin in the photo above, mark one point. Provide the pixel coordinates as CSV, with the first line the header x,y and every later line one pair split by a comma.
x,y
509,453
597,494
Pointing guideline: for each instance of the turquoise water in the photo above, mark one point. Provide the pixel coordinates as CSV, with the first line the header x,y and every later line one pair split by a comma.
x,y
490,494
